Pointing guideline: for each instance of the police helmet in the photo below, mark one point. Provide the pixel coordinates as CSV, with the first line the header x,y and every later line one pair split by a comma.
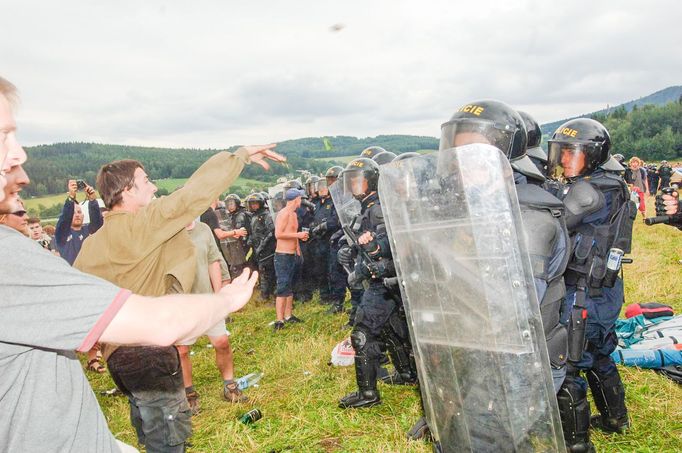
x,y
384,158
361,177
255,198
333,172
371,151
578,148
293,184
534,134
494,123
265,195
620,158
311,185
233,197
404,156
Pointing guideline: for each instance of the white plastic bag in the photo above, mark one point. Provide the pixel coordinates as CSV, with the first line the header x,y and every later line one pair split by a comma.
x,y
343,354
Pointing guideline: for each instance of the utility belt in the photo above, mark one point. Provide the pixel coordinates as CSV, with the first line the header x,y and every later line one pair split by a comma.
x,y
595,260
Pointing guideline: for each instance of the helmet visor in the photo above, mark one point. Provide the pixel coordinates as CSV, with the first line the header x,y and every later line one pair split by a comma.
x,y
467,131
354,182
571,159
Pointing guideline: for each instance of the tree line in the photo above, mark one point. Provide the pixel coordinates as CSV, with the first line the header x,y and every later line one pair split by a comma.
x,y
51,166
650,132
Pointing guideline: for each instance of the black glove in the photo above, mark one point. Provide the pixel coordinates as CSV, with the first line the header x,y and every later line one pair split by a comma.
x,y
345,256
381,268
320,229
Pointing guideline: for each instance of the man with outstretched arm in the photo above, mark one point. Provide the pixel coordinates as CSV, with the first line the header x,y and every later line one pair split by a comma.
x,y
144,246
46,404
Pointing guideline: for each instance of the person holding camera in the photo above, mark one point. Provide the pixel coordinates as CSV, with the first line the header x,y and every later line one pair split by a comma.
x,y
70,231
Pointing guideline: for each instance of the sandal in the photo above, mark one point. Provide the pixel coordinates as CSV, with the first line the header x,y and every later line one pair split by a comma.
x,y
96,366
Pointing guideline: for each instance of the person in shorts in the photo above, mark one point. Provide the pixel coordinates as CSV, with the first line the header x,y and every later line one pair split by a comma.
x,y
287,257
209,279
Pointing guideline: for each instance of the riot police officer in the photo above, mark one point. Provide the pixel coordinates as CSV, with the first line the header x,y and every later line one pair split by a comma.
x,y
303,287
371,151
338,277
495,123
534,151
325,224
384,158
262,241
665,173
379,319
233,218
599,215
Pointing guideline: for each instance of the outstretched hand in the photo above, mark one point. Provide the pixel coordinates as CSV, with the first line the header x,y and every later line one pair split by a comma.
x,y
239,292
259,154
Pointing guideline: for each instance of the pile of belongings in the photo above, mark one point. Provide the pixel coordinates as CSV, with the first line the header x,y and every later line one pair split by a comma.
x,y
650,337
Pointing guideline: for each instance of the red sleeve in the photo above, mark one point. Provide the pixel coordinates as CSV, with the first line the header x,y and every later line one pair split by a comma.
x,y
104,320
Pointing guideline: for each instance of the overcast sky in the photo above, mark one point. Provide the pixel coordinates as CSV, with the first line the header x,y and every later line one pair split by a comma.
x,y
219,73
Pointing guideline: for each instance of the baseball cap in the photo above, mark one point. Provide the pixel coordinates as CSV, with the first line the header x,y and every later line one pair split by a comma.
x,y
292,194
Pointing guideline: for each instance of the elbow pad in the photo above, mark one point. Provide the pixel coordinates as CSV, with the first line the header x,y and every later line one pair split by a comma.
x,y
582,200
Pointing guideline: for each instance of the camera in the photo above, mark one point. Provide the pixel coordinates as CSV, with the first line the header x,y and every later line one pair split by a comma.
x,y
80,184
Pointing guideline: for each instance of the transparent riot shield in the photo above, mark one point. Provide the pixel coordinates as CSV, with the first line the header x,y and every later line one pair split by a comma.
x,y
277,201
456,234
347,207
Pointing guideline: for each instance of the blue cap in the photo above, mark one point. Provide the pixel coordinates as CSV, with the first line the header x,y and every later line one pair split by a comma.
x,y
292,194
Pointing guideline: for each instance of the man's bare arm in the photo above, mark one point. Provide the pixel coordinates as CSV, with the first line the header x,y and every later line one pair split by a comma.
x,y
167,320
215,275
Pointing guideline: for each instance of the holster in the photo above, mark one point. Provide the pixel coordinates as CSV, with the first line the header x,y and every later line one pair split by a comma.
x,y
577,325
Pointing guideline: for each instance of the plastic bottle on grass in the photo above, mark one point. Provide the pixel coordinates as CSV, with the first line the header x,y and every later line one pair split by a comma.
x,y
249,380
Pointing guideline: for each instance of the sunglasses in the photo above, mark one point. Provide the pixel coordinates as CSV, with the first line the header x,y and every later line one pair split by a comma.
x,y
19,213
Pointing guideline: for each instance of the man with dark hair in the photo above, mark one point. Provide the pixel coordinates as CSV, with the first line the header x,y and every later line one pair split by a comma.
x,y
70,232
145,247
43,324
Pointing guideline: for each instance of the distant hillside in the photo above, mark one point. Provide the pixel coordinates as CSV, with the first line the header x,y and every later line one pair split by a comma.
x,y
51,166
661,97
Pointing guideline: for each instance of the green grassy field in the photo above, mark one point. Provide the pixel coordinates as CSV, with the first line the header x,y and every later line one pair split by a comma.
x,y
299,392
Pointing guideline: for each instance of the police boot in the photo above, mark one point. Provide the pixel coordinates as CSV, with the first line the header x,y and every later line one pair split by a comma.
x,y
609,397
574,410
405,369
420,430
367,395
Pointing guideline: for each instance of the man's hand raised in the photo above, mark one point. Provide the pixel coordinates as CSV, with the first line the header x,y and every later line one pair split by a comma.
x,y
239,292
259,154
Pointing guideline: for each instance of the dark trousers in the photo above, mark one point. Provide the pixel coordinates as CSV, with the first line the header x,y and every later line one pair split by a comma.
x,y
266,275
151,378
338,278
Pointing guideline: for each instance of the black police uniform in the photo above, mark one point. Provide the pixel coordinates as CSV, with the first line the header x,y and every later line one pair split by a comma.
x,y
303,285
379,319
263,243
234,249
604,223
325,224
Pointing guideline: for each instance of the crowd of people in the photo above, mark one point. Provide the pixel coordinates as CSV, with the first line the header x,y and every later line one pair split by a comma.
x,y
145,277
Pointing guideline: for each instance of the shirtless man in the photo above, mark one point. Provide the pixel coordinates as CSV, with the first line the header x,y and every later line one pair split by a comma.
x,y
287,257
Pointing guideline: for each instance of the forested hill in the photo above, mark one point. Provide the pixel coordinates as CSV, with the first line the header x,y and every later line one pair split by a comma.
x,y
662,97
50,166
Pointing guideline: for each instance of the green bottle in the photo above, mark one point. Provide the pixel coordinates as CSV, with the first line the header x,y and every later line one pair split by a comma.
x,y
251,417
